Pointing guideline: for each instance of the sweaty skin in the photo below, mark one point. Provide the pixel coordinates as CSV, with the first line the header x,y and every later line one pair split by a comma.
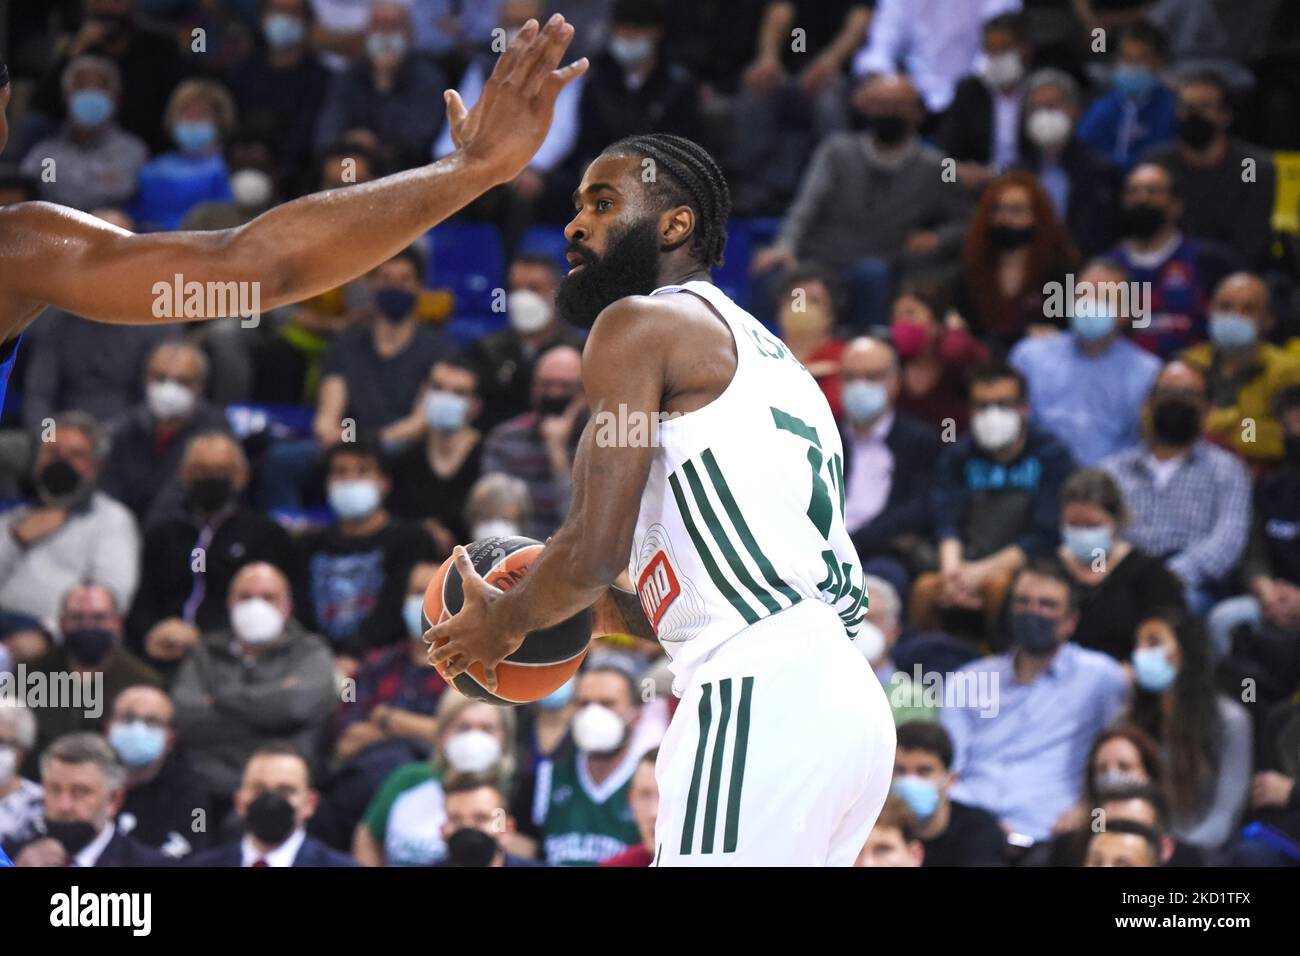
x,y
54,256
649,354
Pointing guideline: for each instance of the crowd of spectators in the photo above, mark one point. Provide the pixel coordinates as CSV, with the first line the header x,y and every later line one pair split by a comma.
x,y
1037,253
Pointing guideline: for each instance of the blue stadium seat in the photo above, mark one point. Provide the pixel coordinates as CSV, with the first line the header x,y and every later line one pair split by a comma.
x,y
469,259
547,240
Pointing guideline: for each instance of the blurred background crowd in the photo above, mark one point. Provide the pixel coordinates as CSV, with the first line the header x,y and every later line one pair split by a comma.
x,y
1091,510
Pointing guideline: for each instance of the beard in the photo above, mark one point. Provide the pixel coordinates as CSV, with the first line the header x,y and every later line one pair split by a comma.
x,y
630,266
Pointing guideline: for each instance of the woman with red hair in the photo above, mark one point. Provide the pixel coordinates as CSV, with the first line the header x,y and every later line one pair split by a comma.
x,y
1015,244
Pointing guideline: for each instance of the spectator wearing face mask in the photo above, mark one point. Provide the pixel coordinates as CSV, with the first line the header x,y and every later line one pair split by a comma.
x,y
1022,760
1259,631
96,162
265,678
356,568
1087,386
643,795
1137,112
84,784
274,801
432,477
1177,270
981,129
1190,500
20,798
162,803
872,205
1243,371
72,532
90,625
1119,584
404,822
387,91
895,840
478,828
581,806
538,446
1206,737
953,833
280,87
936,352
632,88
149,440
251,160
1014,248
507,360
1082,184
1123,843
806,317
995,503
1222,204
888,458
200,114
179,599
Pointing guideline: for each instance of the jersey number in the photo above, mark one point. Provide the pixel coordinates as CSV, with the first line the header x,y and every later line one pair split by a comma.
x,y
821,508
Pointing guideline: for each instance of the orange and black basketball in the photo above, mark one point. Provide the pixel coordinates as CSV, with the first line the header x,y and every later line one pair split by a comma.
x,y
544,661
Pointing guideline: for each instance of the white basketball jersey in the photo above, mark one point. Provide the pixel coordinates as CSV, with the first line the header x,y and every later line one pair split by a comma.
x,y
743,512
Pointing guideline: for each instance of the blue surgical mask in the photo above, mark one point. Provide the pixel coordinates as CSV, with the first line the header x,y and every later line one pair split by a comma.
x,y
921,795
445,411
413,615
137,743
559,697
283,30
194,137
863,401
1232,330
1091,324
377,44
353,500
1153,670
393,302
1133,81
90,108
1084,543
629,51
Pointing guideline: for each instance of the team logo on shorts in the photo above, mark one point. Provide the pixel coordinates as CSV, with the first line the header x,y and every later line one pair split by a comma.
x,y
657,587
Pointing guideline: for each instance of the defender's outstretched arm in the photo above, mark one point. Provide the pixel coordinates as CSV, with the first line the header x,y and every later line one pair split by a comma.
x,y
50,255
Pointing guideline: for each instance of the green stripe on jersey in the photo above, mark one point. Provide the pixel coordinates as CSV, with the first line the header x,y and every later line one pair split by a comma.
x,y
693,797
715,770
738,768
715,574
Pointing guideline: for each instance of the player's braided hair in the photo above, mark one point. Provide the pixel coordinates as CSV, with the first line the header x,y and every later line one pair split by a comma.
x,y
686,175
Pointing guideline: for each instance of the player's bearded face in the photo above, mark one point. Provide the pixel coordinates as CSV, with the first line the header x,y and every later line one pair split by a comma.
x,y
630,266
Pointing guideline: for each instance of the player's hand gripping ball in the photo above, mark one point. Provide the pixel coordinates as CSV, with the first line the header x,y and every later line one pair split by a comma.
x,y
544,661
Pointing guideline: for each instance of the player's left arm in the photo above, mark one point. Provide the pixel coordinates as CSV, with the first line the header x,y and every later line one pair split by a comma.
x,y
624,368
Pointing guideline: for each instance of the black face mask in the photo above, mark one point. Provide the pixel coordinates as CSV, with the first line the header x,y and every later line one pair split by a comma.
x,y
72,835
1196,130
209,494
471,847
549,405
270,818
1009,237
1176,421
630,266
57,480
890,130
1143,221
89,645
1033,633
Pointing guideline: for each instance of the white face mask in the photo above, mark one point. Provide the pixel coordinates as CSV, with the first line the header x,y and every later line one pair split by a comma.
x,y
8,763
1004,69
995,428
528,311
256,621
251,187
1048,128
445,411
472,751
493,528
598,730
168,400
631,51
870,641
413,616
353,500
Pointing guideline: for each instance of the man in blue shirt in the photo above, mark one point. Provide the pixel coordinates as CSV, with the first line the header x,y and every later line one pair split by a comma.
x,y
1138,112
1024,759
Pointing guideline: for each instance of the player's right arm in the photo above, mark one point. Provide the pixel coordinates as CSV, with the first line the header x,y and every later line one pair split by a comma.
x,y
50,255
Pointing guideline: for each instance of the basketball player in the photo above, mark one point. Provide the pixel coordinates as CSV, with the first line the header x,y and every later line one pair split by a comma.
x,y
54,256
729,523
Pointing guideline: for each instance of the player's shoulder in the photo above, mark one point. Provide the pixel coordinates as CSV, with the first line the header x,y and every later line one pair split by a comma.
x,y
637,321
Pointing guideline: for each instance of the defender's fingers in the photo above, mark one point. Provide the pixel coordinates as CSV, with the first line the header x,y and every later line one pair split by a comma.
x,y
456,113
510,57
555,39
559,79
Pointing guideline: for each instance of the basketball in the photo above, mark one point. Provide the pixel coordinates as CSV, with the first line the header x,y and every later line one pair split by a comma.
x,y
544,661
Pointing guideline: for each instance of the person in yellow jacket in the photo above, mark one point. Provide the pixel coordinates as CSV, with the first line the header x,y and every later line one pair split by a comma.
x,y
1243,372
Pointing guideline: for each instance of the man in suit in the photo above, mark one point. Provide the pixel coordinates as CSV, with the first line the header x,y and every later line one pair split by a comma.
x,y
84,784
275,801
888,459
